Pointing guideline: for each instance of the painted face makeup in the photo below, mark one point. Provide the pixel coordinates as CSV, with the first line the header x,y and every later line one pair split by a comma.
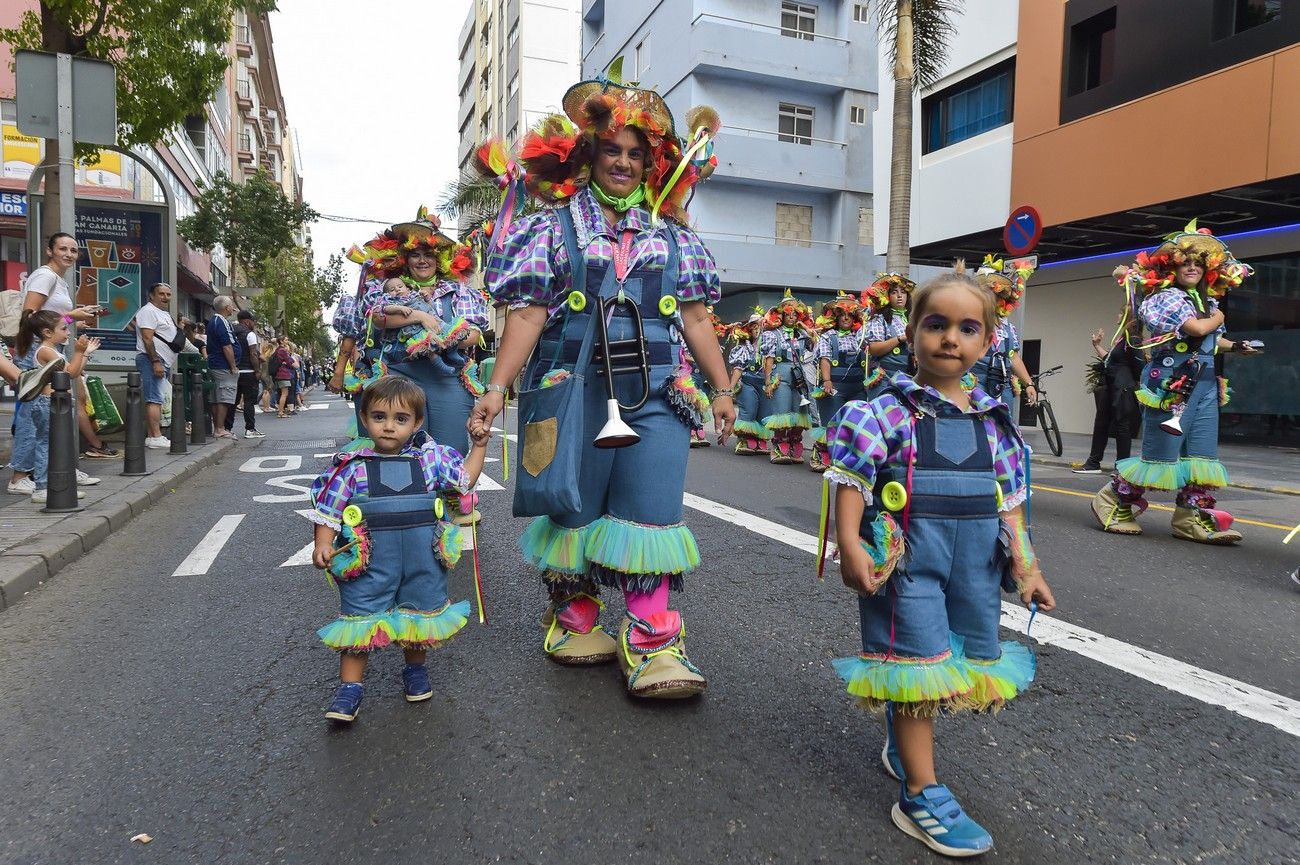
x,y
951,336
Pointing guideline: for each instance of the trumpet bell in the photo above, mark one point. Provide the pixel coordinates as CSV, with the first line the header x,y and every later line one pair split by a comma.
x,y
615,433
1173,426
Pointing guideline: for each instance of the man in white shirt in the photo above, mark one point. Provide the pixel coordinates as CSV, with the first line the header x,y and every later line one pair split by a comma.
x,y
155,334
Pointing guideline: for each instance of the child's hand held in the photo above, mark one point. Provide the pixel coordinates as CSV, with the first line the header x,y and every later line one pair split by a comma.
x,y
320,555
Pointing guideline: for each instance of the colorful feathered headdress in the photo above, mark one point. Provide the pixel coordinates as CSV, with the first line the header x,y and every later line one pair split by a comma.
x,y
875,297
385,255
789,303
1155,270
1007,288
842,302
555,156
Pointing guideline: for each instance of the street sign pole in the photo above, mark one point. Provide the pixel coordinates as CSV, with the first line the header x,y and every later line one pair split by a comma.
x,y
67,165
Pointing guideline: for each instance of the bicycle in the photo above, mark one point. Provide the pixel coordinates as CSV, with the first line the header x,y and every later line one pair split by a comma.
x,y
1047,417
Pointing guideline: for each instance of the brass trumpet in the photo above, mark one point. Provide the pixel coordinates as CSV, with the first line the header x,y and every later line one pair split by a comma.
x,y
621,357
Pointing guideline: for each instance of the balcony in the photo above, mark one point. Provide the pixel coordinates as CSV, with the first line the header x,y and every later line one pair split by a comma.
x,y
760,156
244,94
244,148
243,41
751,50
751,259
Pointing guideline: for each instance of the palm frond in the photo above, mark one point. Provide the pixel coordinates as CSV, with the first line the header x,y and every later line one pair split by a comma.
x,y
472,198
932,31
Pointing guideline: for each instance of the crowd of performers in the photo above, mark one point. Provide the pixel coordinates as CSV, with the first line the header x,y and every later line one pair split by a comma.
x,y
903,391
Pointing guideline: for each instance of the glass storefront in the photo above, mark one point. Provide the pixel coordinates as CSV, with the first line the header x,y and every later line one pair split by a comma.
x,y
1265,404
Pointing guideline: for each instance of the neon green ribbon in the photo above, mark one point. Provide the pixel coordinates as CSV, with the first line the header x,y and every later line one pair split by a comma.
x,y
621,205
416,283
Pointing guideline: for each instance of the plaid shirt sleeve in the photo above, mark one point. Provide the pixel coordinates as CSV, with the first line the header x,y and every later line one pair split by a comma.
x,y
1009,455
528,269
470,305
823,348
347,320
331,492
768,343
444,468
857,438
876,329
1007,334
698,279
742,354
1166,311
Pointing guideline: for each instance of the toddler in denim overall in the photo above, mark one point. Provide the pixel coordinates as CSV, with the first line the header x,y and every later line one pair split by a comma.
x,y
929,513
386,539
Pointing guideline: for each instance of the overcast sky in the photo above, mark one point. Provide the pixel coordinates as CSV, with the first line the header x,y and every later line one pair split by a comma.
x,y
370,90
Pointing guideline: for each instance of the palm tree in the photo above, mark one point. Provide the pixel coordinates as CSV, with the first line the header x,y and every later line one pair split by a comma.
x,y
473,200
916,34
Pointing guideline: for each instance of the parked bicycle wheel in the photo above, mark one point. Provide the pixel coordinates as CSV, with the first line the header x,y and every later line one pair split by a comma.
x,y
1052,432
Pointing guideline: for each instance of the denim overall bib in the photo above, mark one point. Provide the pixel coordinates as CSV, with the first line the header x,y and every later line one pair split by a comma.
x,y
897,359
641,483
399,515
948,582
785,399
447,402
750,400
1200,420
848,375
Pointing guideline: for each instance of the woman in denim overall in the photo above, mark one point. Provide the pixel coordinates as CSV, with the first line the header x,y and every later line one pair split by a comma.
x,y
787,337
557,268
747,381
887,329
930,524
842,360
1001,372
1178,390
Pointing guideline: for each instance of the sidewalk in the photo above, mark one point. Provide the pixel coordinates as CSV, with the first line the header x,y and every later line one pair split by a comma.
x,y
34,546
1250,467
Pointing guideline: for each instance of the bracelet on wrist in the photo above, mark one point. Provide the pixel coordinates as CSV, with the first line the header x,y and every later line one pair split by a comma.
x,y
714,393
497,388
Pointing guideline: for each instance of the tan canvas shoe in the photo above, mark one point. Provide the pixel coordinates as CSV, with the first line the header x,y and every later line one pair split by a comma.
x,y
652,655
1194,524
572,636
1113,515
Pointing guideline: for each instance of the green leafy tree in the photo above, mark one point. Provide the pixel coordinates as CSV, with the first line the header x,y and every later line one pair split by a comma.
x,y
294,295
170,57
253,222
916,34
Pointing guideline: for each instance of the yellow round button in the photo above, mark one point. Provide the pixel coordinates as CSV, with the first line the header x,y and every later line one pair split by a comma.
x,y
439,508
1181,346
997,489
894,496
577,301
897,350
667,305
835,363
352,516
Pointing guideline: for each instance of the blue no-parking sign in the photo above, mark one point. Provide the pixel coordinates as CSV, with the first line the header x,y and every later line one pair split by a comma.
x,y
1022,232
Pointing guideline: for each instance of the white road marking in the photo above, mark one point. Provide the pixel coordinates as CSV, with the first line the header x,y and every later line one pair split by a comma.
x,y
302,557
196,564
277,463
487,484
322,456
316,405
301,492
1182,678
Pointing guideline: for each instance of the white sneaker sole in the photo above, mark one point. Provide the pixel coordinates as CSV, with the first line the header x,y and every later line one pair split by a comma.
x,y
419,698
902,821
884,761
339,716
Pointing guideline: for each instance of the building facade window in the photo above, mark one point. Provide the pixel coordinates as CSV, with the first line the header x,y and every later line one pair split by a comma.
x,y
514,86
794,224
1237,16
967,108
794,123
798,20
513,36
857,115
642,57
866,226
1092,52
861,13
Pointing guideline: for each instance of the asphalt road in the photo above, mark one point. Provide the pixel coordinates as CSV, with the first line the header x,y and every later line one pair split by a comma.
x,y
190,707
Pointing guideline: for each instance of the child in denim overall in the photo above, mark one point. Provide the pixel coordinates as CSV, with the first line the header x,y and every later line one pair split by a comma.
x,y
932,482
382,534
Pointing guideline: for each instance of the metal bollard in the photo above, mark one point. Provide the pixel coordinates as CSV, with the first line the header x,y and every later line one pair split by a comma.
x,y
61,479
133,464
198,409
178,414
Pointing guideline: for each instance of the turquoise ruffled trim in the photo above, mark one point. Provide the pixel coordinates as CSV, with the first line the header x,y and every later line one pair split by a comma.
x,y
408,628
633,548
549,547
1202,472
950,682
818,435
1155,475
357,443
751,428
1158,401
789,420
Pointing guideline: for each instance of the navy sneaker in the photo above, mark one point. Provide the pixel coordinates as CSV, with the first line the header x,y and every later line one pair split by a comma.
x,y
889,753
347,703
936,819
415,682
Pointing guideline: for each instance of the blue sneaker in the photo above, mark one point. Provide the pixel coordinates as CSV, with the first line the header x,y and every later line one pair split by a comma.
x,y
889,753
415,682
935,818
347,703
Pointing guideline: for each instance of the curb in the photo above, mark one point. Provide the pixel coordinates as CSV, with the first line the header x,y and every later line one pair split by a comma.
x,y
31,563
1258,488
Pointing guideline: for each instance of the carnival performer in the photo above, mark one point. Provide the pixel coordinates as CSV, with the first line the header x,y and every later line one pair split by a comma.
x,y
611,240
842,362
699,439
788,335
930,618
885,303
381,536
418,318
1175,291
747,383
1001,372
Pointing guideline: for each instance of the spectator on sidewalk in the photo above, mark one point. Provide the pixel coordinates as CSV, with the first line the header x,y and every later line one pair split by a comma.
x,y
224,355
46,288
157,341
250,367
1120,367
282,373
